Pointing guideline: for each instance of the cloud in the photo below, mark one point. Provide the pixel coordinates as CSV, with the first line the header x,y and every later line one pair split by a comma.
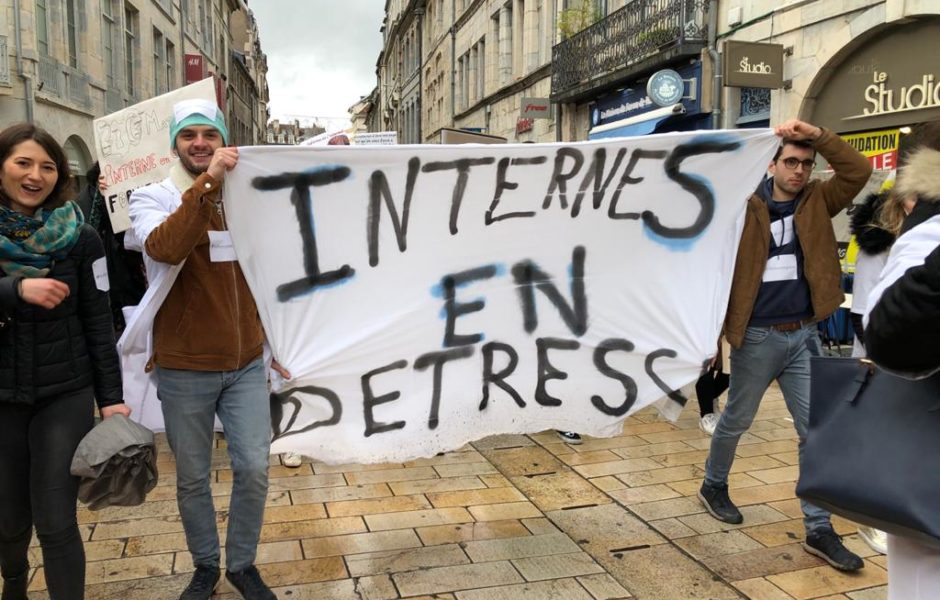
x,y
321,54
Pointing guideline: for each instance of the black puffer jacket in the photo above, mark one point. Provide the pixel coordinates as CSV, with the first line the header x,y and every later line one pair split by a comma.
x,y
871,239
44,353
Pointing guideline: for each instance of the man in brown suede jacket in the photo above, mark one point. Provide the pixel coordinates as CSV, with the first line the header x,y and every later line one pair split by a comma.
x,y
207,348
786,279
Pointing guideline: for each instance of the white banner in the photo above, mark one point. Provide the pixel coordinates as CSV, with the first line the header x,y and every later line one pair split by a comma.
x,y
133,146
426,296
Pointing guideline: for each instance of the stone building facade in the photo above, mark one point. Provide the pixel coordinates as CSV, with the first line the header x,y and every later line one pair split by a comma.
x,y
64,63
477,60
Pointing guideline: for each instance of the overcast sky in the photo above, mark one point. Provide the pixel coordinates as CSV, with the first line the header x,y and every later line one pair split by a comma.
x,y
321,55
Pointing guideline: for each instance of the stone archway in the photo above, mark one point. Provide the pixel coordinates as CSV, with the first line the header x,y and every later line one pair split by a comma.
x,y
76,150
850,92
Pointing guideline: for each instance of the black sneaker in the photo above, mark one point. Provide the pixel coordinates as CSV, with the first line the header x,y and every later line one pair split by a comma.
x,y
248,583
569,436
719,505
202,584
828,546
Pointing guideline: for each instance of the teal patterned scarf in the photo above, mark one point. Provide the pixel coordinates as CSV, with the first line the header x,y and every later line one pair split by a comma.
x,y
29,245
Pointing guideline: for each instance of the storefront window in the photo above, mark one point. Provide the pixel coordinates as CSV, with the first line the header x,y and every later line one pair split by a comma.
x,y
755,108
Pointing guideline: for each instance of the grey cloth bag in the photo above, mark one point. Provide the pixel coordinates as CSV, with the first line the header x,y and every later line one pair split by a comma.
x,y
117,461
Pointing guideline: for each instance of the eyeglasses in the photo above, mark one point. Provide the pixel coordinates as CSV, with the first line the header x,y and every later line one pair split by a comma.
x,y
791,163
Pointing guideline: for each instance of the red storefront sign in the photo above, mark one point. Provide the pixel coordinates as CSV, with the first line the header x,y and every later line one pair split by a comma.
x,y
195,67
523,125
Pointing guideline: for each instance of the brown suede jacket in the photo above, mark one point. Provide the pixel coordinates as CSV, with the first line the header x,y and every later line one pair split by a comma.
x,y
209,321
821,200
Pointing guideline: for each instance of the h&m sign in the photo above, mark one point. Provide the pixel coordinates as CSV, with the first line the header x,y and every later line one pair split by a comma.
x,y
749,64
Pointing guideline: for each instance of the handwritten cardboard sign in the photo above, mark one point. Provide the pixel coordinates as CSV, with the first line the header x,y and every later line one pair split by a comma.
x,y
133,146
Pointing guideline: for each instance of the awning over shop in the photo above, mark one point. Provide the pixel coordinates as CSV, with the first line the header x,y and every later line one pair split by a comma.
x,y
643,124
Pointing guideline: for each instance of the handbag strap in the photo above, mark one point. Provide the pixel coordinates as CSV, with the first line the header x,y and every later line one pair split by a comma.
x,y
859,380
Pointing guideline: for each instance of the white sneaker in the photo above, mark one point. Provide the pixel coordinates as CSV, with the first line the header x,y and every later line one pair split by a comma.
x,y
876,539
709,422
291,459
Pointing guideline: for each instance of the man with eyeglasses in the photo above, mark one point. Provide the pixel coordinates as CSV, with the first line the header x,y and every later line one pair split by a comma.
x,y
786,279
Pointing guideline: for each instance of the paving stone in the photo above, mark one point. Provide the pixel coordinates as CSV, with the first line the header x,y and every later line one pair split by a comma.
x,y
463,469
398,561
777,534
268,552
538,568
475,497
524,461
286,484
299,512
777,475
357,543
539,526
450,579
647,493
672,528
378,587
155,544
662,571
663,509
692,457
608,484
312,529
427,486
753,515
303,571
810,583
560,589
717,544
390,475
508,440
376,505
509,510
340,493
593,445
151,588
787,458
629,465
586,458
603,587
559,490
762,562
875,593
762,494
643,428
120,569
599,529
320,468
662,475
134,527
495,480
761,589
519,547
736,481
418,518
650,450
448,458
447,534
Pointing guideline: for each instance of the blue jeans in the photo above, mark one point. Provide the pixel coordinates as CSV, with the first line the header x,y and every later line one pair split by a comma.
x,y
190,401
766,355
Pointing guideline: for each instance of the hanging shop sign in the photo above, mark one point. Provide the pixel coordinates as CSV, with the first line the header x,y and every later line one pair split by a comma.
x,y
753,65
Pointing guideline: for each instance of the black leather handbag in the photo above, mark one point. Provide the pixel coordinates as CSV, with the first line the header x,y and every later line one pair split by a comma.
x,y
872,452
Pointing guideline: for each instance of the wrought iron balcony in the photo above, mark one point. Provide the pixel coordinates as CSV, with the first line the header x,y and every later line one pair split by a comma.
x,y
113,100
637,38
50,75
78,88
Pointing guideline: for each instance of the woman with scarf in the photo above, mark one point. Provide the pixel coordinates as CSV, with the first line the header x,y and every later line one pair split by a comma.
x,y
57,358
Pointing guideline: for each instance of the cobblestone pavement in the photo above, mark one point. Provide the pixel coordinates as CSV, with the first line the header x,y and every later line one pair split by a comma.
x,y
509,517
